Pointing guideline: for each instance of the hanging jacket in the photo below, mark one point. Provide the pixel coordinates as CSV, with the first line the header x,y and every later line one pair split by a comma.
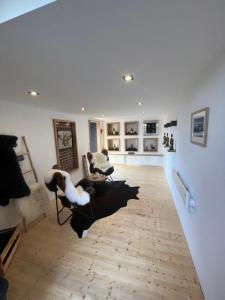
x,y
12,183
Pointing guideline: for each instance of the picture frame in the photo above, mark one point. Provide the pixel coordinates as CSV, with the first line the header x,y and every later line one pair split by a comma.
x,y
199,127
66,144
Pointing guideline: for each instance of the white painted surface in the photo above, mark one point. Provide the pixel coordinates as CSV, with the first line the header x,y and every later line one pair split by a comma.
x,y
203,171
78,51
10,9
36,125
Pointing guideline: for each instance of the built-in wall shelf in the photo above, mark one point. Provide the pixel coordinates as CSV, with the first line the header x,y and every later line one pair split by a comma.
x,y
133,136
131,144
131,128
113,129
114,144
150,144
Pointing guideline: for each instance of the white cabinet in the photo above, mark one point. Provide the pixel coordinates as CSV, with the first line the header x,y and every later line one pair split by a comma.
x,y
116,159
136,160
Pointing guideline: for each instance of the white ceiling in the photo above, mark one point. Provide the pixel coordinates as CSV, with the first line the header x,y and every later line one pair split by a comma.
x,y
75,53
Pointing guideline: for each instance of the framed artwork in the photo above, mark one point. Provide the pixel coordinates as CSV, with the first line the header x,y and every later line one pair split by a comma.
x,y
66,144
199,127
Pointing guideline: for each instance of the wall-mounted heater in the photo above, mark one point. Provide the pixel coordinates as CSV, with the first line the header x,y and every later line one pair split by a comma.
x,y
183,191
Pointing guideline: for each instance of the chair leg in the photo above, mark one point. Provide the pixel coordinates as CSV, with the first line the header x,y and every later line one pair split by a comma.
x,y
58,211
110,178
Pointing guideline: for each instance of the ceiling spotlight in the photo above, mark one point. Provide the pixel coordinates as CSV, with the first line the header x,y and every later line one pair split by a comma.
x,y
139,103
33,93
128,77
143,113
82,108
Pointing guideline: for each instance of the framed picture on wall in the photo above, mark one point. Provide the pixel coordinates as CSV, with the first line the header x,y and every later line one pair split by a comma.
x,y
66,144
199,127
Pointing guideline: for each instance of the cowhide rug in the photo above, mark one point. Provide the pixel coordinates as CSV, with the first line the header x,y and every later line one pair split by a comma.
x,y
107,198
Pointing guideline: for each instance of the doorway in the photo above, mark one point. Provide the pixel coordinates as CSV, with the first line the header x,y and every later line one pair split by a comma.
x,y
95,136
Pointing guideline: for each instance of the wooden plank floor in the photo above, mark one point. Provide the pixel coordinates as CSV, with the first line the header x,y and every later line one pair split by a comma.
x,y
138,253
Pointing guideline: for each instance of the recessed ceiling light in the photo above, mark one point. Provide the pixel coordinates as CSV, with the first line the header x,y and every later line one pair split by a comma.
x,y
128,77
82,108
103,115
143,112
139,103
33,93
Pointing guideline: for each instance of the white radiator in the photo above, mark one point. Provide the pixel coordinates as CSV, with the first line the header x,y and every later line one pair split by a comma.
x,y
183,191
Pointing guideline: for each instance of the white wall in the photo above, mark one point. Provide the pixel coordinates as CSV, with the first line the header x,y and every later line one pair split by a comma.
x,y
36,125
203,171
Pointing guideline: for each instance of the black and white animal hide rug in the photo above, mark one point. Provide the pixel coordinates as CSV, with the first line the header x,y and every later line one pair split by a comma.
x,y
108,197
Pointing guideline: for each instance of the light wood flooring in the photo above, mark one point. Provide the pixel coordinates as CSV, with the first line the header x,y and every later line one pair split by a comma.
x,y
138,253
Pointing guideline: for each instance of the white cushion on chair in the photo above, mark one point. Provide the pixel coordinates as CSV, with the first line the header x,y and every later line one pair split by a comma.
x,y
100,161
74,195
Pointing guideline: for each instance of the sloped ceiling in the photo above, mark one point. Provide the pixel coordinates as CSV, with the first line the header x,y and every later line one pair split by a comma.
x,y
76,52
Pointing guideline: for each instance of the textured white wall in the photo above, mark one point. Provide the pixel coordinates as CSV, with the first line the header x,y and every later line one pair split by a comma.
x,y
203,171
36,125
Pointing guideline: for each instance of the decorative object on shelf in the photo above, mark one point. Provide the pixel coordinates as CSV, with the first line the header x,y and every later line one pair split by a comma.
x,y
131,148
167,140
131,128
66,144
113,128
131,132
171,148
199,127
150,127
164,139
